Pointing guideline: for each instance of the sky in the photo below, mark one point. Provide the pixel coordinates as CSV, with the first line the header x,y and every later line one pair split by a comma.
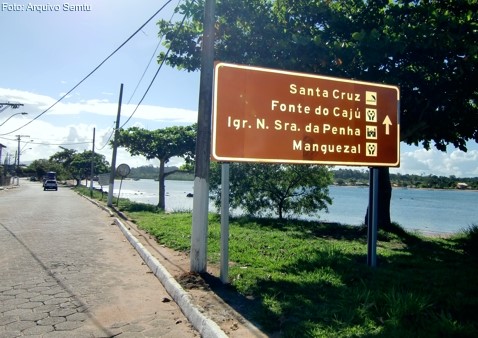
x,y
48,48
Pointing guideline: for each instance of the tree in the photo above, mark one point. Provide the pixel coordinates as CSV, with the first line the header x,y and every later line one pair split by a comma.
x,y
42,166
428,48
287,189
162,144
78,165
63,157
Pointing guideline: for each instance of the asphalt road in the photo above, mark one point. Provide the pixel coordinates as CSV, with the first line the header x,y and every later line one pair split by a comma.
x,y
67,271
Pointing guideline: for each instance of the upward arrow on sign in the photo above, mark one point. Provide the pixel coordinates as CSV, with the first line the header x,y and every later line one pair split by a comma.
x,y
387,122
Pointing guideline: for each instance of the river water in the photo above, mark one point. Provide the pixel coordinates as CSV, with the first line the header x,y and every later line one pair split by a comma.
x,y
432,211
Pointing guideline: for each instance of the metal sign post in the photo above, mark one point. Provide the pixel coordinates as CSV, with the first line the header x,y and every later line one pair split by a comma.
x,y
103,180
225,223
372,226
123,170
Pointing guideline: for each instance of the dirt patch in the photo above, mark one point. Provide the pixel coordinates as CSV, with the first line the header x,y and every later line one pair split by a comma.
x,y
219,302
192,280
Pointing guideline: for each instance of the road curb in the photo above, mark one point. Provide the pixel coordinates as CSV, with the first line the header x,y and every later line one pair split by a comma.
x,y
205,326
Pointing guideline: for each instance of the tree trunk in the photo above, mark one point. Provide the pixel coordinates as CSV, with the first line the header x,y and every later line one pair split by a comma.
x,y
162,189
384,198
280,208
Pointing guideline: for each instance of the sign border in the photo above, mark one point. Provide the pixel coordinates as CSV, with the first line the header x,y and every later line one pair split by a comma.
x,y
217,158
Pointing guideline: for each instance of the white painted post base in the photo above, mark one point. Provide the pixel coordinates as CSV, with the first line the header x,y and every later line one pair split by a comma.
x,y
199,226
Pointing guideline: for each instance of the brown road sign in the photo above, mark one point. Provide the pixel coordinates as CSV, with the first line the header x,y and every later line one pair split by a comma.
x,y
268,115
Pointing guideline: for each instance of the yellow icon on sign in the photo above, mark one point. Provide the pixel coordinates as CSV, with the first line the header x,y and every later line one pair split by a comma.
x,y
371,132
371,98
371,115
371,149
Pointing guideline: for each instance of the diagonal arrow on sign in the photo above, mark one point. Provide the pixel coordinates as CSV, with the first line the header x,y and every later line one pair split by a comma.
x,y
387,122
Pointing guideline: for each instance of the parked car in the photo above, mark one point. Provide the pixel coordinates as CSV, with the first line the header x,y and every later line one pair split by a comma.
x,y
50,185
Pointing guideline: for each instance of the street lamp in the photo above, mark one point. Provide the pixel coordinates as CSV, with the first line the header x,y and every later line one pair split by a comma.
x,y
23,113
26,144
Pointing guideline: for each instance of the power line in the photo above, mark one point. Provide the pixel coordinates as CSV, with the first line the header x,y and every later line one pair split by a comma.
x,y
93,71
47,144
62,144
156,74
152,56
109,138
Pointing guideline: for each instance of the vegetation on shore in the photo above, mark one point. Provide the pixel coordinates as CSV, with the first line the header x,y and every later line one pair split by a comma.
x,y
361,177
310,279
343,177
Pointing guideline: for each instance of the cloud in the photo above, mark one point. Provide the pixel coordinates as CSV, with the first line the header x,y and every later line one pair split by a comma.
x,y
35,104
108,94
26,98
44,139
70,124
154,113
420,161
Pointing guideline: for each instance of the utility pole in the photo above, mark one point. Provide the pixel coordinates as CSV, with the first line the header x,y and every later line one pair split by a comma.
x,y
5,105
203,146
92,172
115,146
19,137
1,147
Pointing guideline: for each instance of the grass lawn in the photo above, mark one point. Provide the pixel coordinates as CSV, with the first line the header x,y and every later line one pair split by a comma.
x,y
309,279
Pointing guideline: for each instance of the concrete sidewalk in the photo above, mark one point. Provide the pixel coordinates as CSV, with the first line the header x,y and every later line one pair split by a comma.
x,y
203,308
